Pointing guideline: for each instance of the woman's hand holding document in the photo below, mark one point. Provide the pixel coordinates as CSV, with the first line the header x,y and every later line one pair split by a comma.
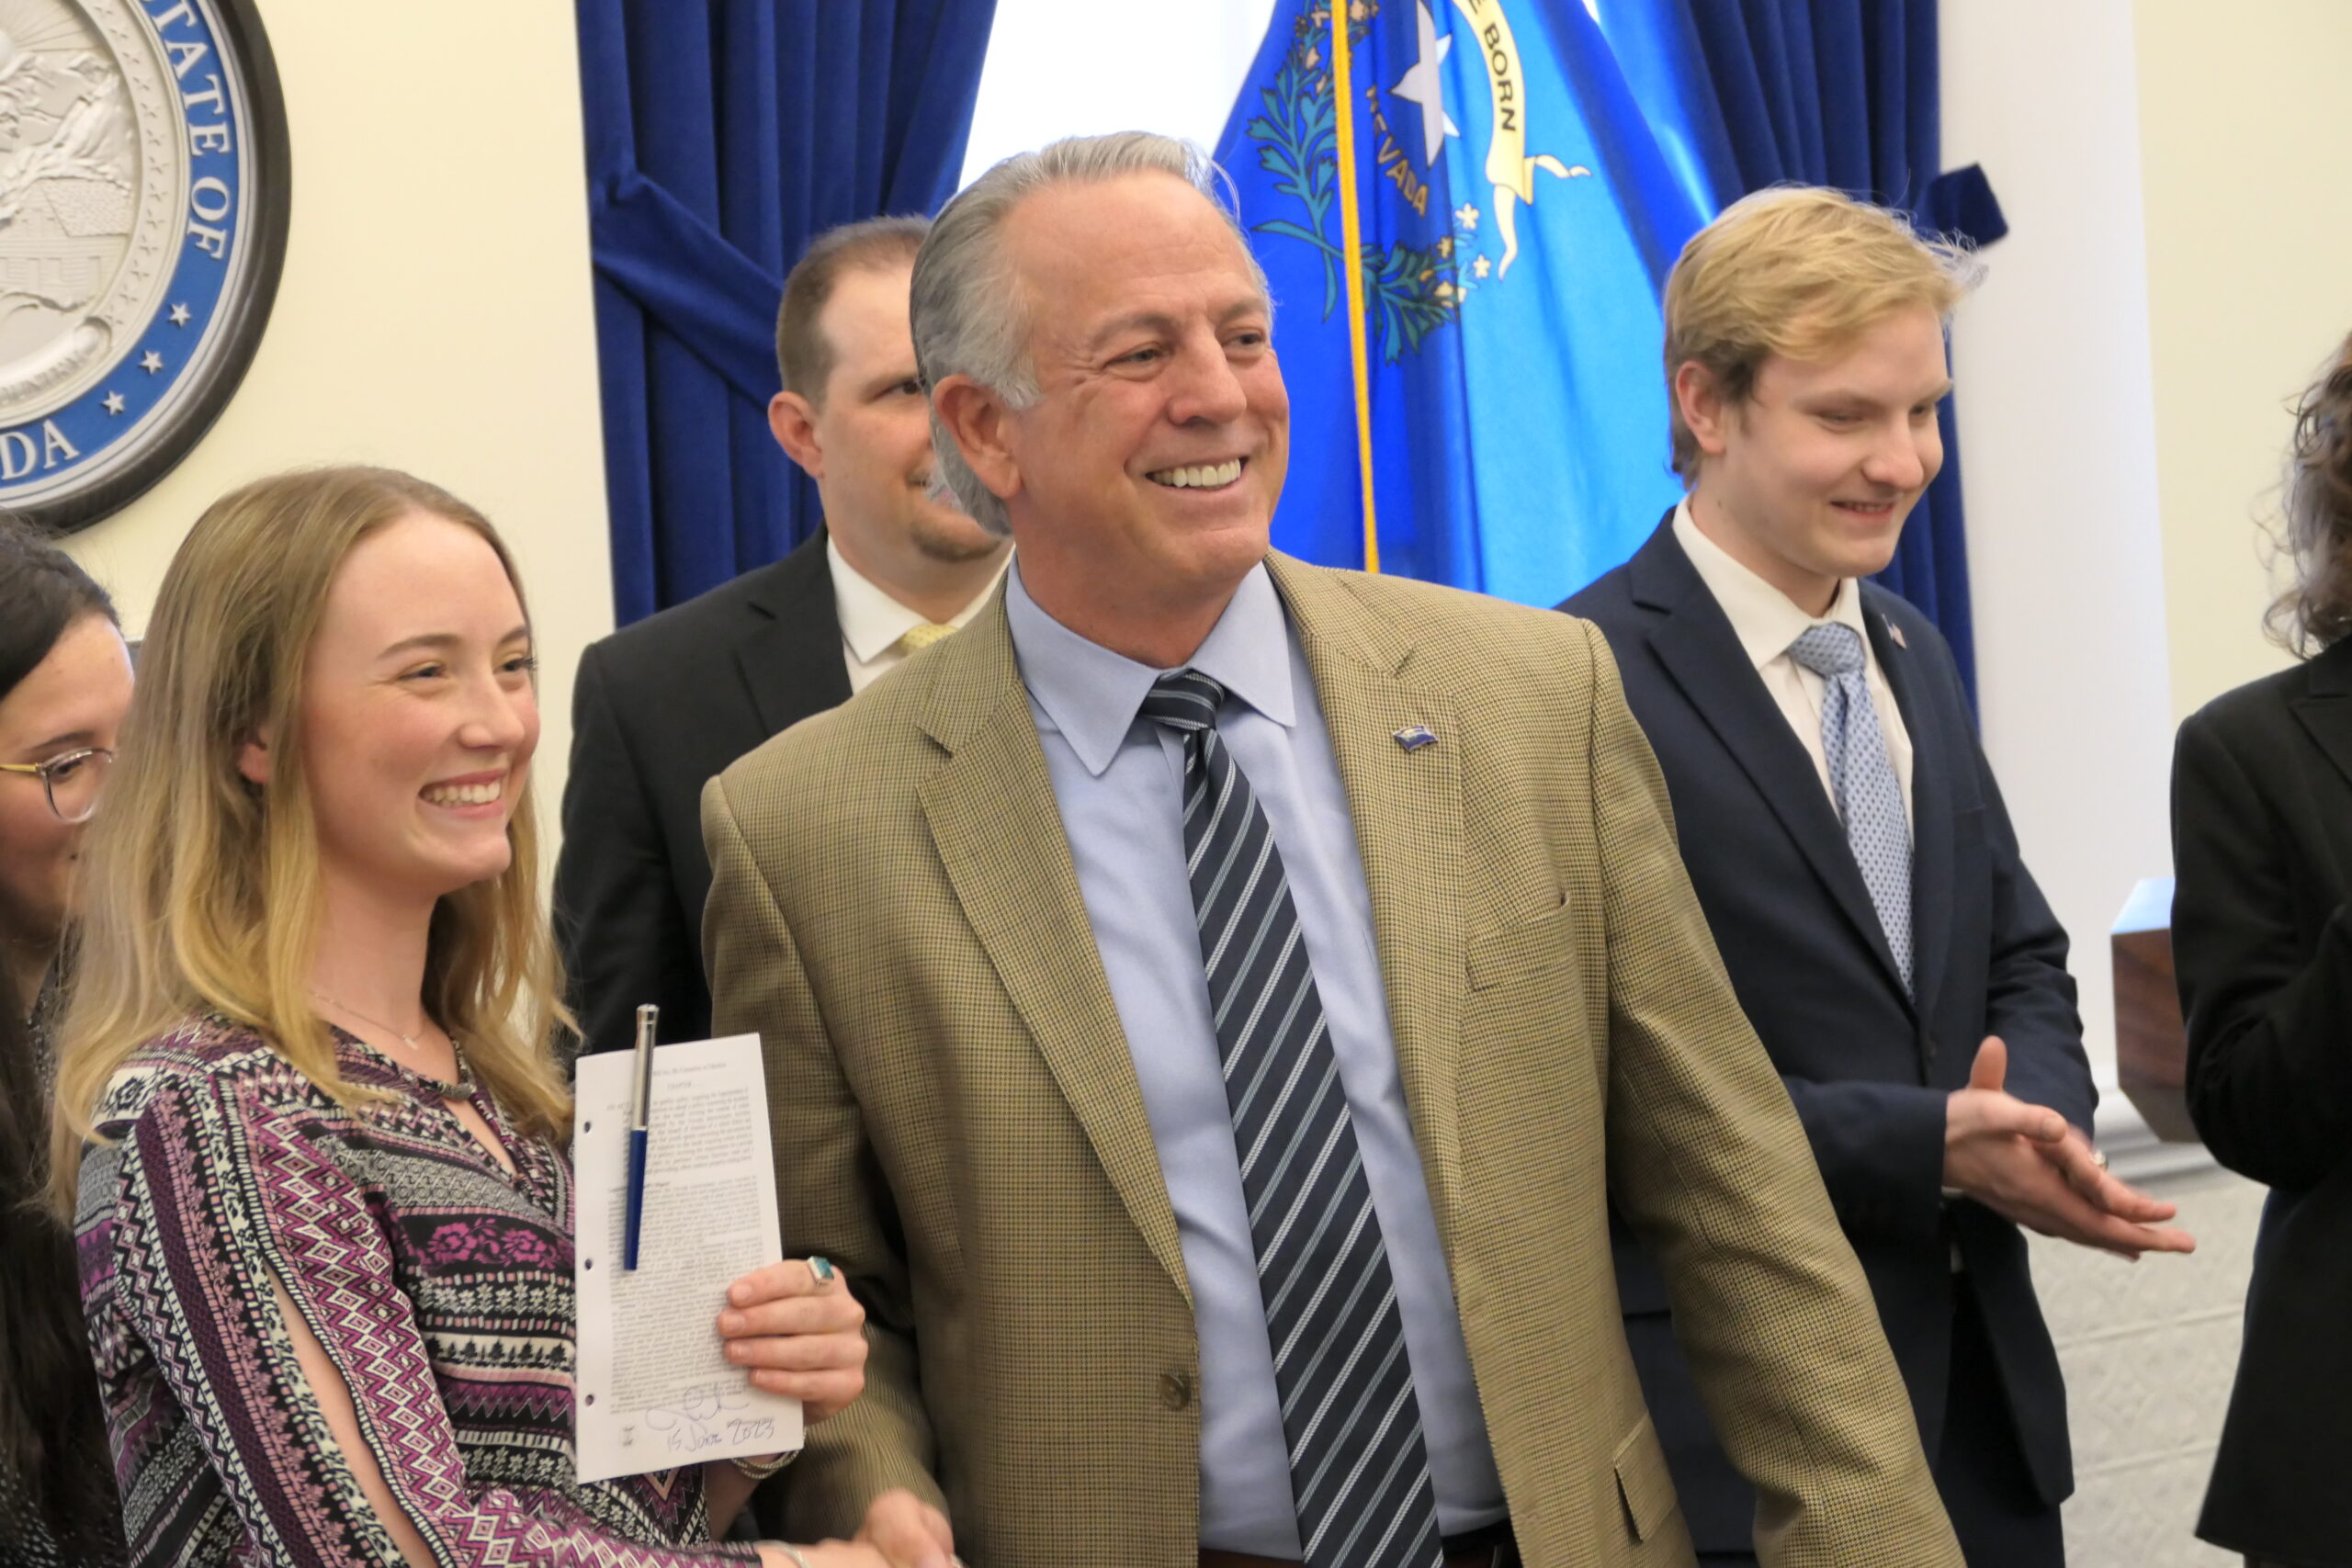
x,y
799,1333
706,1350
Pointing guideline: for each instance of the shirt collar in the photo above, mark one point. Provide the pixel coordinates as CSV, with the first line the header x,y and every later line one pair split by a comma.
x,y
1764,619
870,619
1092,694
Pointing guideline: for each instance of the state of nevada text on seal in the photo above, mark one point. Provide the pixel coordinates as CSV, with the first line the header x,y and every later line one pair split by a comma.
x,y
144,200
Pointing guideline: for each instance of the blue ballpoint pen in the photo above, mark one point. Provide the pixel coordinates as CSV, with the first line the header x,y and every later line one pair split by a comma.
x,y
640,1115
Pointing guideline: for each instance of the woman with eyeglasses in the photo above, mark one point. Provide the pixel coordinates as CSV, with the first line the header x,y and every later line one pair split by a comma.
x,y
64,685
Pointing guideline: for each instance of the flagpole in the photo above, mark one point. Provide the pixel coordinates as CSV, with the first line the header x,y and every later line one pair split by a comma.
x,y
1352,263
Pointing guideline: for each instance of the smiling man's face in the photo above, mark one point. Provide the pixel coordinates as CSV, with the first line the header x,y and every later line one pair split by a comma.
x,y
867,441
1809,478
1154,454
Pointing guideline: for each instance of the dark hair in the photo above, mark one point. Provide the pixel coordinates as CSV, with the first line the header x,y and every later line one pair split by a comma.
x,y
42,594
803,357
2317,533
52,1435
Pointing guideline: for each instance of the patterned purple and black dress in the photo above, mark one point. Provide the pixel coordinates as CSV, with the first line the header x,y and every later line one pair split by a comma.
x,y
440,1285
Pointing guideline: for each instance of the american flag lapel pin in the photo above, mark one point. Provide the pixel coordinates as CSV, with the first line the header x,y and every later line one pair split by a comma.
x,y
1895,632
1413,737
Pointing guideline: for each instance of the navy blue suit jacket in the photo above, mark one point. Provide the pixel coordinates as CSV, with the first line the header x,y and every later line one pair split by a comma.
x,y
1867,1066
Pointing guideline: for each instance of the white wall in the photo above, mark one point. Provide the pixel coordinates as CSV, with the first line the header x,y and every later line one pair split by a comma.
x,y
2244,124
434,313
1046,73
2058,440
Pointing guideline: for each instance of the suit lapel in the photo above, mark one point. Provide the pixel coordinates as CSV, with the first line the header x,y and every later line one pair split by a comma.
x,y
1408,812
1933,768
998,832
2325,707
1701,654
791,656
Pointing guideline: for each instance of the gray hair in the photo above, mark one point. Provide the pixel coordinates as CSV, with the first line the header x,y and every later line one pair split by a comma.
x,y
2315,536
967,311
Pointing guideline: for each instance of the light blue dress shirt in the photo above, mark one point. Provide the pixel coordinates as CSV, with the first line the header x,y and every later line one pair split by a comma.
x,y
1118,780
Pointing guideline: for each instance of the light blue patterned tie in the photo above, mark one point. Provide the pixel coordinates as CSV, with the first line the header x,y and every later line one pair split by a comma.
x,y
1869,795
1359,1469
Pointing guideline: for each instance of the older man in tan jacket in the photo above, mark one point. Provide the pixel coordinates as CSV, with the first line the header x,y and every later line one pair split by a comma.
x,y
1211,1002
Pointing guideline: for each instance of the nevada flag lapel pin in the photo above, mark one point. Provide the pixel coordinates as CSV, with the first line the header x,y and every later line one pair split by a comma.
x,y
1895,632
1413,737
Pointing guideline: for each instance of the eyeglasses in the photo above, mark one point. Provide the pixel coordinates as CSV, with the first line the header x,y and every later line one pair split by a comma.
x,y
71,780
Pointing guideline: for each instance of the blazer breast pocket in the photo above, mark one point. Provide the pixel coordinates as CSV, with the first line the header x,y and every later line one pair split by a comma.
x,y
1529,947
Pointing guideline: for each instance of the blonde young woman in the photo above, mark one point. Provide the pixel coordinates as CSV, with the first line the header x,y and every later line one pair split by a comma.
x,y
307,1099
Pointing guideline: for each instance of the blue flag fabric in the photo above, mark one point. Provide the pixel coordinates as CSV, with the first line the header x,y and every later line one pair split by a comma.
x,y
1519,213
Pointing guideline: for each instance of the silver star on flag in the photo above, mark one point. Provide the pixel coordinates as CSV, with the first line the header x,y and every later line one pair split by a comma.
x,y
1424,84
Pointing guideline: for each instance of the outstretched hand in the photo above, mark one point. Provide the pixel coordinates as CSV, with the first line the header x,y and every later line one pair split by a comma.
x,y
2023,1161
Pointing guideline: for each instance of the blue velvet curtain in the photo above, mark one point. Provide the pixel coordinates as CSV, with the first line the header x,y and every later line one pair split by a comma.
x,y
722,136
1751,93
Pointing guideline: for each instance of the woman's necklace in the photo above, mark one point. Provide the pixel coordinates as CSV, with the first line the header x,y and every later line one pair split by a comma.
x,y
457,1089
403,1036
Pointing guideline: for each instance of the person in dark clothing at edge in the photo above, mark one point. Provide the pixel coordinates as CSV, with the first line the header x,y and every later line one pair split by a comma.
x,y
64,687
2262,945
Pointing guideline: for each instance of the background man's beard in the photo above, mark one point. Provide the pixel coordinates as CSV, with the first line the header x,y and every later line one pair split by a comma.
x,y
953,540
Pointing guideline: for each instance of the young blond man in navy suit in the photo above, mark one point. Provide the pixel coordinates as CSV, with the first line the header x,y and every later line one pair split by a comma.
x,y
1852,853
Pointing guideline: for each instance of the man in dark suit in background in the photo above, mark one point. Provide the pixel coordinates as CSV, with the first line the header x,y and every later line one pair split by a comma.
x,y
1852,855
664,705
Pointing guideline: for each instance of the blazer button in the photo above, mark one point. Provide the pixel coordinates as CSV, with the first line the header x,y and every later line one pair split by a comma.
x,y
1175,1390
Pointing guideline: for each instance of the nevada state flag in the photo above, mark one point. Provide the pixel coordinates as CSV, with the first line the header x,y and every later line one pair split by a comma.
x,y
1496,367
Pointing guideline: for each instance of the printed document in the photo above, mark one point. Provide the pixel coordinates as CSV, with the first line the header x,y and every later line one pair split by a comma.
x,y
654,1388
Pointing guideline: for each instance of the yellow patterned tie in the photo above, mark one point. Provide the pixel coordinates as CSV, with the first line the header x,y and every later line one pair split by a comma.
x,y
922,633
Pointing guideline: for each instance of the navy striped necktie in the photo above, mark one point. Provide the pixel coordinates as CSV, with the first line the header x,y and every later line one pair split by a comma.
x,y
1359,1469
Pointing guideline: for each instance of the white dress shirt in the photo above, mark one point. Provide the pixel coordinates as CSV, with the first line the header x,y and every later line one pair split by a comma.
x,y
872,622
1767,621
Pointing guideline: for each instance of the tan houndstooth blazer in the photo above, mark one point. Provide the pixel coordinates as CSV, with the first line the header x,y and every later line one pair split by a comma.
x,y
957,1121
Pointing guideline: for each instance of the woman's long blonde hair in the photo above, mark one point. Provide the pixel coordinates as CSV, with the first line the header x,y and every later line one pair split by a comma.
x,y
200,891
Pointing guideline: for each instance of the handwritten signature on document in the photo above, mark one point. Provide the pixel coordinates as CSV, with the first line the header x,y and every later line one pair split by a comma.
x,y
703,1419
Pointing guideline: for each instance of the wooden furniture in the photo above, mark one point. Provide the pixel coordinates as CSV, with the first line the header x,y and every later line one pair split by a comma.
x,y
2151,1044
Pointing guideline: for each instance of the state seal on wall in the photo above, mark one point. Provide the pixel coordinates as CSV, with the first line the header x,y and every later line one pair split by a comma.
x,y
143,200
